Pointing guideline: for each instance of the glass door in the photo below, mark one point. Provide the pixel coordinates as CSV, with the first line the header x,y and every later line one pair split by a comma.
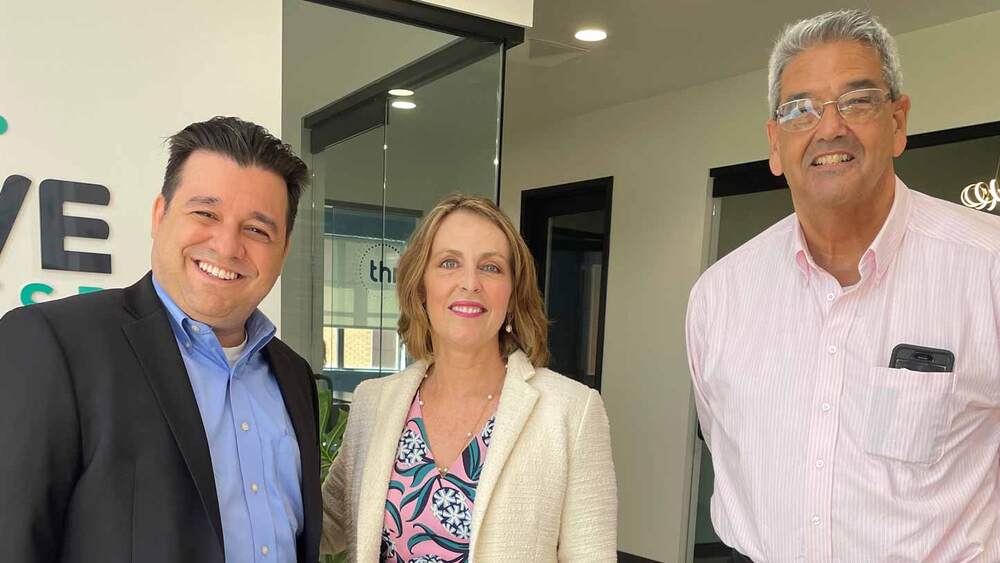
x,y
381,164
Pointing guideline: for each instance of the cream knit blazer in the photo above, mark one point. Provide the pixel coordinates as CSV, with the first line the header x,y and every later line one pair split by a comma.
x,y
547,491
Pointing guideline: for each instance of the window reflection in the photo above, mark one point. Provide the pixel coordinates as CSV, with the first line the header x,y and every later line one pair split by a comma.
x,y
361,246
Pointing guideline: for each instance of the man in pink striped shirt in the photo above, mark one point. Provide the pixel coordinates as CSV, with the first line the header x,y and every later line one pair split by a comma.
x,y
824,450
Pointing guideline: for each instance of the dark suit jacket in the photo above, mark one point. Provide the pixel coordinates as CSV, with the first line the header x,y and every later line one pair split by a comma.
x,y
103,455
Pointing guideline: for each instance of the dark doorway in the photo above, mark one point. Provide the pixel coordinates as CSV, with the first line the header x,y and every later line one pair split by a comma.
x,y
567,227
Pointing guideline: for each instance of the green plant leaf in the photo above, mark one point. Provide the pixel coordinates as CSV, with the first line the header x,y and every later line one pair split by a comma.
x,y
329,445
329,438
325,398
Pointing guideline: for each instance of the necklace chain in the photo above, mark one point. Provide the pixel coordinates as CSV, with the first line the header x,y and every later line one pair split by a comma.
x,y
475,423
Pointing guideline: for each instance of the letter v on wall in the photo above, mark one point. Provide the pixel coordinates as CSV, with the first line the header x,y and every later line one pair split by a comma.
x,y
15,188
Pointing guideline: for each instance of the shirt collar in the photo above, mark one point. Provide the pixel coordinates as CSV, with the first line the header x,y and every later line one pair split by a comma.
x,y
881,251
190,332
803,259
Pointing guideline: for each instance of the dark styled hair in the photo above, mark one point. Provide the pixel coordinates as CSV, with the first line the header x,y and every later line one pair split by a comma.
x,y
247,144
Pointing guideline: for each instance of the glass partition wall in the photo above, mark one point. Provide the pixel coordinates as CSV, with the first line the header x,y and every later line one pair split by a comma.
x,y
381,157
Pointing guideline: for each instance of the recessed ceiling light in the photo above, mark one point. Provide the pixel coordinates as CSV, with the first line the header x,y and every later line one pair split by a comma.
x,y
401,92
399,104
591,35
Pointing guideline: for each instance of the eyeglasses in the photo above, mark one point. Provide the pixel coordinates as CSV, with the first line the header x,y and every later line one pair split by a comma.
x,y
856,106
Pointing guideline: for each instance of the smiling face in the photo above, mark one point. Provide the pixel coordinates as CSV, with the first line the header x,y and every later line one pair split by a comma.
x,y
467,283
837,163
219,245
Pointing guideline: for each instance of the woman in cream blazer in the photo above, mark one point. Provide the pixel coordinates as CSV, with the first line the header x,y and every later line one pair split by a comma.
x,y
546,487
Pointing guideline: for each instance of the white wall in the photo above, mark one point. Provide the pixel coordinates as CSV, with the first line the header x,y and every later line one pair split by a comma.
x,y
659,151
517,12
91,90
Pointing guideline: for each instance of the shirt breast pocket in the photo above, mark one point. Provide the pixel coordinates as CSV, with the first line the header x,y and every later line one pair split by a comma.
x,y
908,414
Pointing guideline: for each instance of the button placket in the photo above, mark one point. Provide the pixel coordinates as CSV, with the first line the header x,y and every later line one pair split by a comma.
x,y
250,453
824,421
826,292
826,424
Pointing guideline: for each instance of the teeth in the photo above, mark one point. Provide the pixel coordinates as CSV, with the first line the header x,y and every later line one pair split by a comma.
x,y
465,309
217,271
832,159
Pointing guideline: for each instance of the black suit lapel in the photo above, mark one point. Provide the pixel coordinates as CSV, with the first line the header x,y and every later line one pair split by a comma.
x,y
299,394
155,346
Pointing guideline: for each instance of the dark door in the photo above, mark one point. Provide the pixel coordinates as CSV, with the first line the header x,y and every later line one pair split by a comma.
x,y
567,229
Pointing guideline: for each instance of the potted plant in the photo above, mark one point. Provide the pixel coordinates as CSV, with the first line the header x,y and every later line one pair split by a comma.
x,y
331,433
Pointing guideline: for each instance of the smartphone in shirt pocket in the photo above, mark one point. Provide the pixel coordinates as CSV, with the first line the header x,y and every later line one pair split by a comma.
x,y
921,359
909,406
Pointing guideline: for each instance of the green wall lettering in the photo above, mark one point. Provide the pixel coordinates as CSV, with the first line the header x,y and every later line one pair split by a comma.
x,y
29,291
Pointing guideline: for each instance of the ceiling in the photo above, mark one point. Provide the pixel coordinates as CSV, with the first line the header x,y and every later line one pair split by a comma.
x,y
656,46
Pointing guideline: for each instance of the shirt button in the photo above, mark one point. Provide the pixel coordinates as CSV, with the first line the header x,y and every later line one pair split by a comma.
x,y
820,463
264,550
254,487
245,427
816,520
825,407
187,344
196,328
830,296
832,349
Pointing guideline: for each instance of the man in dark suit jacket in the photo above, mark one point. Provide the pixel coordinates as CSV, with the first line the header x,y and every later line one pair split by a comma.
x,y
163,422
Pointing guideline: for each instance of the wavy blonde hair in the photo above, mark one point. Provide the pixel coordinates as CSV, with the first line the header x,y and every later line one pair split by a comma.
x,y
525,313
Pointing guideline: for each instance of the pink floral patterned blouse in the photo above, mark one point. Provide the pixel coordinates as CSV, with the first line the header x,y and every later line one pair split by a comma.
x,y
428,516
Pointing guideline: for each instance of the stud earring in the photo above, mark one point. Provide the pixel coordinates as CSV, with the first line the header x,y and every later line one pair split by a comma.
x,y
509,329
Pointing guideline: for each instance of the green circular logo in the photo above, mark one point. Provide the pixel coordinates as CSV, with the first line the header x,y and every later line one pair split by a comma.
x,y
3,125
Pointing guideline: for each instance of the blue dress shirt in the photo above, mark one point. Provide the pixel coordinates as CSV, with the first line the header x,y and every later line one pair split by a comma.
x,y
255,456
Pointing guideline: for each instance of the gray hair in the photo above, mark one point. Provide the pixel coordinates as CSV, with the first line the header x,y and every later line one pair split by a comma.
x,y
841,25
